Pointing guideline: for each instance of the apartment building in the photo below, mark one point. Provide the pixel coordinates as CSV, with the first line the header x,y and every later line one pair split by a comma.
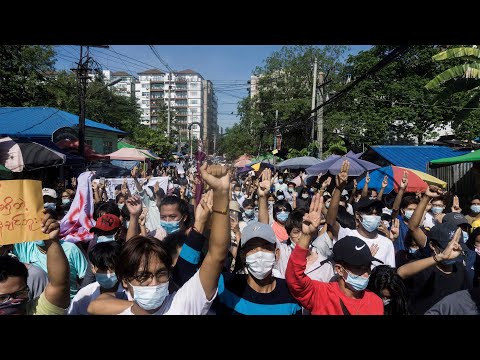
x,y
123,82
192,100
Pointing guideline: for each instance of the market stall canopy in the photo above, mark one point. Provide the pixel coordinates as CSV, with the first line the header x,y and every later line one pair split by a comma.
x,y
473,156
128,154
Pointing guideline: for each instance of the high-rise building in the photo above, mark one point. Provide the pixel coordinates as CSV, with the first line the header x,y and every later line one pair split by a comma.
x,y
124,83
192,99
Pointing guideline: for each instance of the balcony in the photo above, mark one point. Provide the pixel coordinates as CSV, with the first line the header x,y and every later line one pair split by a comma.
x,y
180,79
180,88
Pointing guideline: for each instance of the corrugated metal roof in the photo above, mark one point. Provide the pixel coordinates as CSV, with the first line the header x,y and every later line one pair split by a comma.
x,y
41,121
415,157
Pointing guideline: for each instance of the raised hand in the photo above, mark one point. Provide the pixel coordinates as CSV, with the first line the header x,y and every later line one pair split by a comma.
x,y
311,220
453,248
205,208
156,187
182,191
318,178
367,177
216,176
50,226
342,177
395,229
434,191
456,205
404,182
385,182
143,217
354,184
74,182
326,183
264,186
134,172
134,205
234,225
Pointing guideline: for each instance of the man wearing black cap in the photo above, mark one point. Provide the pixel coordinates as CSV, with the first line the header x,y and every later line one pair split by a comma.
x,y
353,261
368,216
431,279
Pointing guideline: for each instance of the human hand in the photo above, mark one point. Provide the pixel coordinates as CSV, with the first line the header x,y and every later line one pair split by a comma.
x,y
367,177
205,208
456,205
434,192
374,249
134,205
404,182
342,177
50,226
264,186
311,220
216,176
326,183
453,248
385,182
395,229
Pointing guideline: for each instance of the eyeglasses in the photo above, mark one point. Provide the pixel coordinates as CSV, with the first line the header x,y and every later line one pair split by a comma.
x,y
20,294
145,279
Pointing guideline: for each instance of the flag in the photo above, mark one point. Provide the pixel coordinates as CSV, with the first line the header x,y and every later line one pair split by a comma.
x,y
76,224
199,157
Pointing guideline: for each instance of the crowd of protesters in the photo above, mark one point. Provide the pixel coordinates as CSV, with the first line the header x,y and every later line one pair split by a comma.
x,y
215,242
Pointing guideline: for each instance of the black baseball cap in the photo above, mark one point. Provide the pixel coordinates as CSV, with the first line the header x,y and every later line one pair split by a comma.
x,y
353,251
443,233
366,203
455,218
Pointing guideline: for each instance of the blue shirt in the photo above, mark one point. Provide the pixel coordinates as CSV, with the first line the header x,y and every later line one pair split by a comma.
x,y
29,252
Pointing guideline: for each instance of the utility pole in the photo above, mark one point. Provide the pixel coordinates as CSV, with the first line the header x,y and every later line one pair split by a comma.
x,y
82,77
275,137
215,143
314,92
320,115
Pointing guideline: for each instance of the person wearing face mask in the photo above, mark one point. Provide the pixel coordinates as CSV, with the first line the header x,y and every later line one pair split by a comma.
x,y
258,291
145,266
407,207
102,260
280,185
14,289
473,244
49,199
67,198
303,199
281,211
474,213
385,282
237,195
249,211
368,216
270,202
435,214
353,260
432,278
120,201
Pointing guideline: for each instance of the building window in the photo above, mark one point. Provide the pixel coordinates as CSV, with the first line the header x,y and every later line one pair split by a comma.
x,y
107,147
193,94
145,94
194,110
194,102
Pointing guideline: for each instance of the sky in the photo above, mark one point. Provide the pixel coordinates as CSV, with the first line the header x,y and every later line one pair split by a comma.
x,y
228,66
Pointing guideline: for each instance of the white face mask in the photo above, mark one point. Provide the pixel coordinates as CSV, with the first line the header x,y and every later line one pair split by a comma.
x,y
260,264
150,297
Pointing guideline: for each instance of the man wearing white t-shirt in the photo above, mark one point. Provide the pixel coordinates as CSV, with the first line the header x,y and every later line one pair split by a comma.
x,y
367,215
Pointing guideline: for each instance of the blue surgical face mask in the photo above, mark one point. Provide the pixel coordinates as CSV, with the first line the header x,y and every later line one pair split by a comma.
x,y
370,222
150,297
249,213
412,250
475,208
49,205
271,203
120,206
283,216
292,244
356,282
66,201
305,196
290,190
280,181
280,197
170,226
465,236
105,238
106,281
408,214
437,210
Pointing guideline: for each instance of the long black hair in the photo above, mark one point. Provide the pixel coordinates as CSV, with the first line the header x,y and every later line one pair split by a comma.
x,y
386,277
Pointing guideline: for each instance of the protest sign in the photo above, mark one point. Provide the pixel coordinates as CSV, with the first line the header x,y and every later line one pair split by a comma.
x,y
21,215
111,183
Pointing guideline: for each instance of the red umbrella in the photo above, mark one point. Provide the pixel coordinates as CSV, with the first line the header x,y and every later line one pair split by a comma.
x,y
395,175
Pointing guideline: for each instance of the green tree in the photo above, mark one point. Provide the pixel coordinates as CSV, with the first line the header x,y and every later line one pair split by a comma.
x,y
23,69
391,106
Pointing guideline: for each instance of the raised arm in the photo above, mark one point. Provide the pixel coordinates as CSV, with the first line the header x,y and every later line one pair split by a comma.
x,y
134,173
341,182
452,251
365,186
57,291
263,189
384,185
134,206
353,193
398,198
218,178
414,222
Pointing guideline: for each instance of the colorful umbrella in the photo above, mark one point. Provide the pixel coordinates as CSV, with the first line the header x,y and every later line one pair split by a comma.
x,y
24,155
333,164
429,179
395,175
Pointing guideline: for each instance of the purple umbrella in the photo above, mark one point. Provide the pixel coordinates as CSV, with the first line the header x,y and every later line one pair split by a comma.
x,y
333,165
354,155
244,169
